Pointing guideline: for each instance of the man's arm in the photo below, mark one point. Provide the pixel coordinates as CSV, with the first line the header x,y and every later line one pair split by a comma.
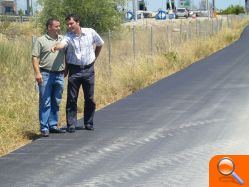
x,y
38,76
97,51
58,46
66,69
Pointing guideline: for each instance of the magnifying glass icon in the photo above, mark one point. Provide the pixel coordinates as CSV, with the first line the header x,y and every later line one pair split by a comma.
x,y
226,167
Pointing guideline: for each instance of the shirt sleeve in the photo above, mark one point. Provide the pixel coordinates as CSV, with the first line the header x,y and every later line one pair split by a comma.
x,y
97,39
36,50
65,40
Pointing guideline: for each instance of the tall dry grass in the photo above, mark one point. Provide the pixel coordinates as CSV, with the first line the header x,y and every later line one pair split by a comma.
x,y
19,99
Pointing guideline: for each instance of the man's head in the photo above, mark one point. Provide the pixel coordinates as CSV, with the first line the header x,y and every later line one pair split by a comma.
x,y
53,27
73,23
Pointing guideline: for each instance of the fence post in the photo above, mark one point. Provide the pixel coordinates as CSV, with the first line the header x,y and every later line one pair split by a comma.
x,y
134,42
167,32
212,32
151,41
181,31
189,30
217,26
221,24
199,30
206,30
109,46
227,21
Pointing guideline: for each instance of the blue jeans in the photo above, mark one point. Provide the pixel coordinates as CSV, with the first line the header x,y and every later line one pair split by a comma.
x,y
50,95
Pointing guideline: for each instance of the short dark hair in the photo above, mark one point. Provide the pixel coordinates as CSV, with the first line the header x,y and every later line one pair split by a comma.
x,y
50,22
75,17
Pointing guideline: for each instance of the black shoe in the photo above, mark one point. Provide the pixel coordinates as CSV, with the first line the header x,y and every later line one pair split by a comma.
x,y
71,129
56,130
89,127
45,133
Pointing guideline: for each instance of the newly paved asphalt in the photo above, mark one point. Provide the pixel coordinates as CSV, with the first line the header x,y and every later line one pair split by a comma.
x,y
163,135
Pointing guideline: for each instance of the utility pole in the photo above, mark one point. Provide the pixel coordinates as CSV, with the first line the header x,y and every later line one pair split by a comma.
x,y
207,7
246,6
170,5
170,11
28,9
134,4
32,13
213,9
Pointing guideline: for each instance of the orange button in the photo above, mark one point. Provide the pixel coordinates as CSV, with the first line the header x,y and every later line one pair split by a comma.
x,y
229,171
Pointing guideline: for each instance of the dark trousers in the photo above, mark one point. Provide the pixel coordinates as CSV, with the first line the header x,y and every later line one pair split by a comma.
x,y
80,75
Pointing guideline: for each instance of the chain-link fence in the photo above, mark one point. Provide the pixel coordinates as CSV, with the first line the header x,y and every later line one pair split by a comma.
x,y
147,39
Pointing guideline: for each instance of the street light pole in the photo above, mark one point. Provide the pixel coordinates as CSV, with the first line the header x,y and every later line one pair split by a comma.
x,y
214,14
134,4
28,10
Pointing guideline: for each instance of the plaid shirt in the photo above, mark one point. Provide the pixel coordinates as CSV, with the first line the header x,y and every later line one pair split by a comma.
x,y
80,49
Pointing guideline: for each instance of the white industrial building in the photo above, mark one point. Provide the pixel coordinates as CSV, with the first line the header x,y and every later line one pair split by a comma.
x,y
14,6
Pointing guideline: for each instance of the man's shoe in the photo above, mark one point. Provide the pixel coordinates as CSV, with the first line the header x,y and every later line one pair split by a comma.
x,y
71,129
89,127
56,130
45,133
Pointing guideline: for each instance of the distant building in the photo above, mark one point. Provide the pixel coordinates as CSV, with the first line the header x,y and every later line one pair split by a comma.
x,y
28,7
7,7
247,5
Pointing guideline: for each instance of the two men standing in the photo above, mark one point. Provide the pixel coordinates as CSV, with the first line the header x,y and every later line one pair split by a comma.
x,y
82,46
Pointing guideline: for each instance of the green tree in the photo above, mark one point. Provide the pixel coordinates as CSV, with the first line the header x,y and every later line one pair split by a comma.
x,y
234,10
20,12
98,14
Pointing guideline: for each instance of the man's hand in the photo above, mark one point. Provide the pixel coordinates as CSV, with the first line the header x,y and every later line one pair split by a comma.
x,y
38,78
53,49
65,73
58,46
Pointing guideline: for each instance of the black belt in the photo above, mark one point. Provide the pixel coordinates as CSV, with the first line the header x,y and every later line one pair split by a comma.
x,y
49,71
81,66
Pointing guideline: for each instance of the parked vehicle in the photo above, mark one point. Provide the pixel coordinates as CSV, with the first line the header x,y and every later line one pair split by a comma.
x,y
181,12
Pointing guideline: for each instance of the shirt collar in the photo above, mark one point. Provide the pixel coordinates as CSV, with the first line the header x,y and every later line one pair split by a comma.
x,y
50,38
83,33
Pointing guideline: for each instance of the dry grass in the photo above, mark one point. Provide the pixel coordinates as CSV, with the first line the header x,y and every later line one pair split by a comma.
x,y
17,103
19,99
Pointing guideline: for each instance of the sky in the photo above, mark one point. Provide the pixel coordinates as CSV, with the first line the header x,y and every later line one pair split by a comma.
x,y
154,5
22,4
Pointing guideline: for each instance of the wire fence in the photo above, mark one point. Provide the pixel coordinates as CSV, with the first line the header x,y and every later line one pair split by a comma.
x,y
150,39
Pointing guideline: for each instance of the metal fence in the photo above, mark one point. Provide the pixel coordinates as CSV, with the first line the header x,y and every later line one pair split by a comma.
x,y
148,39
15,18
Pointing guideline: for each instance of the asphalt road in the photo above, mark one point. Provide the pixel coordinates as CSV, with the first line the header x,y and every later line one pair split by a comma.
x,y
163,135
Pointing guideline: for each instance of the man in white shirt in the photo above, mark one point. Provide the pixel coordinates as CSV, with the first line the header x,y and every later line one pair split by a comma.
x,y
80,57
